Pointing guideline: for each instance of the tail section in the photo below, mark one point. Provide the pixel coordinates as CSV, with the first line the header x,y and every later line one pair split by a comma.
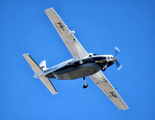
x,y
35,67
43,65
39,69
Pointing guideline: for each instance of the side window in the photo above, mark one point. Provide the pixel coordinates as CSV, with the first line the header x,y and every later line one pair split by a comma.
x,y
90,55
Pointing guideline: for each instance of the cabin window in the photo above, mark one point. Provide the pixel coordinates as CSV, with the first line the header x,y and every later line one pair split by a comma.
x,y
90,55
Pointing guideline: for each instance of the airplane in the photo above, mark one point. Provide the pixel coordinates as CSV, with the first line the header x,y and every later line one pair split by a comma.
x,y
83,64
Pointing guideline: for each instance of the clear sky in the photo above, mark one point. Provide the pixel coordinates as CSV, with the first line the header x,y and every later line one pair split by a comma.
x,y
100,25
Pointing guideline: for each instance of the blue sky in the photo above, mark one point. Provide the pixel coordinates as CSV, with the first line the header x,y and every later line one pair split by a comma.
x,y
100,26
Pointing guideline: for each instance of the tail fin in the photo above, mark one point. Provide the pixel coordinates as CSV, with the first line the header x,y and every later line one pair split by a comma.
x,y
43,65
37,69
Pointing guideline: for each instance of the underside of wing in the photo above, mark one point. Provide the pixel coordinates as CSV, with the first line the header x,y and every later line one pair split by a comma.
x,y
101,81
66,35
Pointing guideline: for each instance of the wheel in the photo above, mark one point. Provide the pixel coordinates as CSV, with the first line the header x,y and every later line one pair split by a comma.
x,y
104,68
68,64
85,86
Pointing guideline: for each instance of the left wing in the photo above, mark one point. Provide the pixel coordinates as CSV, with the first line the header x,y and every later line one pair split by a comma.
x,y
101,81
67,36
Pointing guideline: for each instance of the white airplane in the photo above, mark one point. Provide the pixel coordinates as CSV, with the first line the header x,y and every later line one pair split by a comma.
x,y
83,64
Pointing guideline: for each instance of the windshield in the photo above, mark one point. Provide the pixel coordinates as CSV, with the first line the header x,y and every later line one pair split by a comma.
x,y
110,57
95,54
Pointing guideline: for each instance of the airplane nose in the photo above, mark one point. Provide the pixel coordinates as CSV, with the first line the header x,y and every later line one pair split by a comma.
x,y
115,59
101,61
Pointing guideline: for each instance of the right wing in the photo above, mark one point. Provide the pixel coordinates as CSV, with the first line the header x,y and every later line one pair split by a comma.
x,y
67,36
101,81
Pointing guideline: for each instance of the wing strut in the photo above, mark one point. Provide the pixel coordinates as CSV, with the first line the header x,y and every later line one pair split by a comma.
x,y
73,40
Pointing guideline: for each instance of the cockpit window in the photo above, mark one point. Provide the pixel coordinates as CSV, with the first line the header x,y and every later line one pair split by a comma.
x,y
95,54
110,57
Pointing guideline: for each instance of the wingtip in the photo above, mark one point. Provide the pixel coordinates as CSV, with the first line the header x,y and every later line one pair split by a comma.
x,y
26,54
124,108
49,9
54,93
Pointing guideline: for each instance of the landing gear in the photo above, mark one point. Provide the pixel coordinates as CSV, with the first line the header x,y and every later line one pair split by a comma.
x,y
104,68
85,85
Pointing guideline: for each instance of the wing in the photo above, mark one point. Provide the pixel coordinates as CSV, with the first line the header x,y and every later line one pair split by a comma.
x,y
101,81
67,36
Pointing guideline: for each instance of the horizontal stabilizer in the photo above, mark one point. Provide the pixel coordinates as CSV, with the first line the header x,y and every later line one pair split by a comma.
x,y
35,67
48,84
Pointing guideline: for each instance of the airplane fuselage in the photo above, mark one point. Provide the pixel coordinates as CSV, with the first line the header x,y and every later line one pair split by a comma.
x,y
83,64
73,69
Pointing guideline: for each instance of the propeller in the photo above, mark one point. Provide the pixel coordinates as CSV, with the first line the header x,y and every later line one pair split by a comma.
x,y
116,51
118,65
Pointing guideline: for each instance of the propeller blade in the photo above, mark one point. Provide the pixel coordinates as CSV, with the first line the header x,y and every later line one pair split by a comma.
x,y
116,51
118,65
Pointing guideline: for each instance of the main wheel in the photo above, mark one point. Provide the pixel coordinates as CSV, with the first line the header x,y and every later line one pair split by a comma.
x,y
104,68
85,86
68,64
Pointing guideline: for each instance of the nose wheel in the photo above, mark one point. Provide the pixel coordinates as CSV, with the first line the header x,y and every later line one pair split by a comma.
x,y
85,85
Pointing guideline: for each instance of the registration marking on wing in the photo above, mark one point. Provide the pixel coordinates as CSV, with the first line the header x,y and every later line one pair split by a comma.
x,y
58,28
113,94
61,26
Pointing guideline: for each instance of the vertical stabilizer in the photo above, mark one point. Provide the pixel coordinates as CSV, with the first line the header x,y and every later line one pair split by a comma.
x,y
43,65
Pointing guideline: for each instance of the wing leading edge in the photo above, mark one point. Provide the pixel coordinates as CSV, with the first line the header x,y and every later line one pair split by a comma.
x,y
67,36
101,81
